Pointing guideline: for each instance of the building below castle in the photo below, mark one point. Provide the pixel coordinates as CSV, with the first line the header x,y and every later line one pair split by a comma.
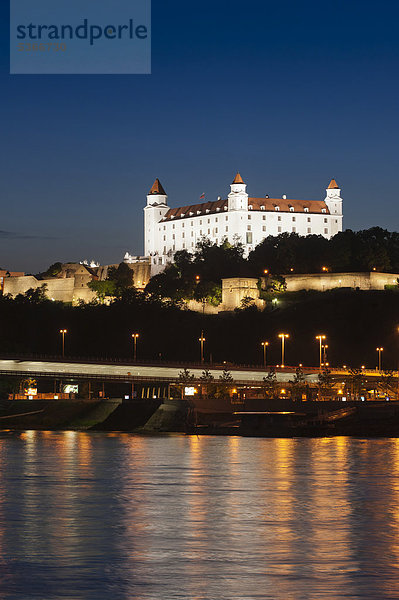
x,y
238,218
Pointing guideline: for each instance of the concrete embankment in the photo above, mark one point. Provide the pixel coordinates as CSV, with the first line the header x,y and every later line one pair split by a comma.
x,y
55,414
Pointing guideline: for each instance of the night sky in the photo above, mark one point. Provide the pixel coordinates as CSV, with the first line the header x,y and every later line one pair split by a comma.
x,y
290,94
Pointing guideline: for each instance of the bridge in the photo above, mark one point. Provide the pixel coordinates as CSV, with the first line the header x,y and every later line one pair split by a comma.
x,y
78,369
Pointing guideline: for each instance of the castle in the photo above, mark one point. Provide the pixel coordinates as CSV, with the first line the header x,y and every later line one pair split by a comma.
x,y
239,218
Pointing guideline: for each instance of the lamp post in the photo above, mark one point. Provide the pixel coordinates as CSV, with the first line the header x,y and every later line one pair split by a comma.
x,y
379,350
324,347
135,337
283,337
201,341
63,332
264,345
321,338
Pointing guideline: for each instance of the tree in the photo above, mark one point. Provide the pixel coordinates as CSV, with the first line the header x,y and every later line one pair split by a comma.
x,y
325,381
34,295
208,291
224,384
121,276
298,384
356,381
185,378
53,271
207,382
270,383
103,289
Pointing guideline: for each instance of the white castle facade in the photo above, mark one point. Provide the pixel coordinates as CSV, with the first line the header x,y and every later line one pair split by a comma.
x,y
239,218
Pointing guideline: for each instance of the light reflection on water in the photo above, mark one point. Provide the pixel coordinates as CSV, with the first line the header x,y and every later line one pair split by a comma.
x,y
98,516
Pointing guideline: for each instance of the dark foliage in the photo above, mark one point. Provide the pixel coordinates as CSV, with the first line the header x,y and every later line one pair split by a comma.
x,y
365,250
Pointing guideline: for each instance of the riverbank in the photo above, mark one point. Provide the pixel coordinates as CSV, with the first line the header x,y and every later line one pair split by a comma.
x,y
270,418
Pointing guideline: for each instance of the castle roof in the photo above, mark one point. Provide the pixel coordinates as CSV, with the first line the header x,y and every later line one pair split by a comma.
x,y
285,205
157,189
257,204
238,179
333,185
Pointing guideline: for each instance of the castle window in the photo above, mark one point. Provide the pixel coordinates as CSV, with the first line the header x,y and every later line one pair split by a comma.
x,y
277,208
182,224
264,228
325,221
227,218
216,220
200,221
248,227
264,217
305,209
216,229
225,208
200,231
323,210
309,230
198,212
184,245
249,238
192,234
173,226
182,215
309,219
294,230
173,236
278,218
160,213
209,220
192,222
182,235
249,216
164,227
325,230
279,229
227,228
217,209
209,231
164,238
207,211
294,218
250,207
292,208
164,249
262,207
172,216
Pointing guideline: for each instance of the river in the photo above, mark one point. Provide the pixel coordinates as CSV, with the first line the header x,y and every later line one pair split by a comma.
x,y
113,516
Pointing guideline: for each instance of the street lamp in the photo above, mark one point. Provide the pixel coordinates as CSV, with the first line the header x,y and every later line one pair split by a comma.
x,y
283,337
202,340
265,345
63,332
321,338
379,350
324,348
135,337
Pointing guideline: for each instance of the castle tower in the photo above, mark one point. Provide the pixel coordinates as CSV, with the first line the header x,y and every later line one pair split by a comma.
x,y
238,197
333,201
156,209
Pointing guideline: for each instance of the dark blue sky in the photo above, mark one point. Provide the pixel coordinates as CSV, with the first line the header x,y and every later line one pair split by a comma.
x,y
291,94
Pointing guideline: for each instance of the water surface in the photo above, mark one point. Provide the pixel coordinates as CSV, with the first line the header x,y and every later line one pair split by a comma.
x,y
98,516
